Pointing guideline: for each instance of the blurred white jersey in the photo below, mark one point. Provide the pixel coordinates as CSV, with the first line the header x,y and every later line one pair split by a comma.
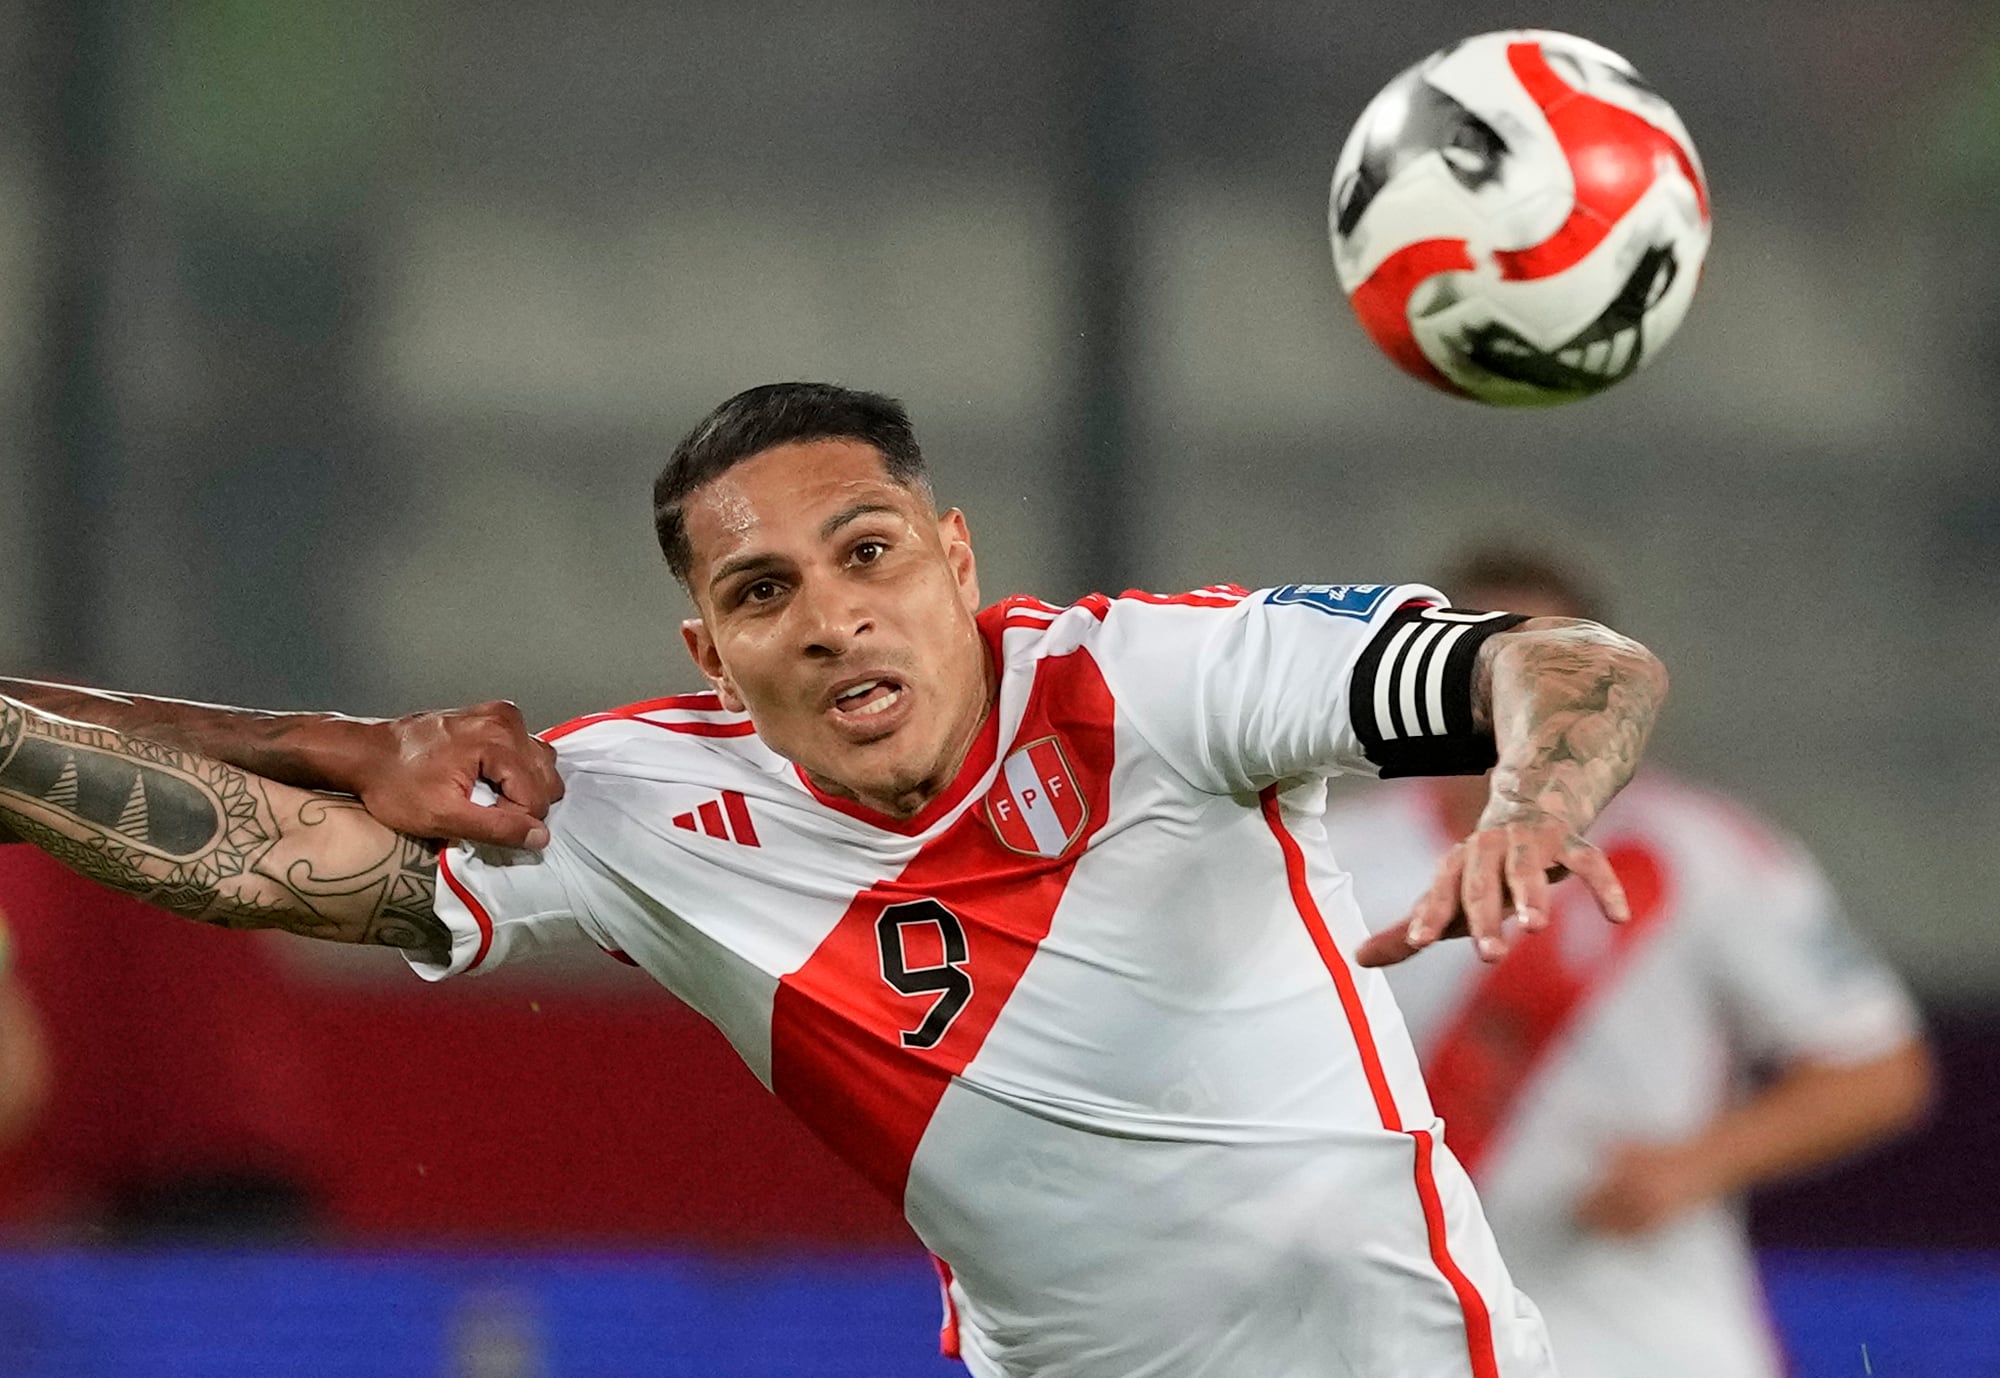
x,y
1590,1035
1088,1017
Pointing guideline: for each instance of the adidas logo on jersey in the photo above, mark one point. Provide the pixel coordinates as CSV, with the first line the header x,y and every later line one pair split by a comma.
x,y
726,816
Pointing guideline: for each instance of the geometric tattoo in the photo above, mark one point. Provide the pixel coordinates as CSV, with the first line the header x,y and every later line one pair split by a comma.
x,y
210,841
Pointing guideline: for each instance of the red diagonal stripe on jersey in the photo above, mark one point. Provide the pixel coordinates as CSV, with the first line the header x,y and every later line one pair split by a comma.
x,y
739,818
1478,1320
1335,963
948,1327
1383,303
1199,598
695,727
1098,605
1613,157
1486,1058
684,820
704,729
480,917
705,702
836,1024
711,819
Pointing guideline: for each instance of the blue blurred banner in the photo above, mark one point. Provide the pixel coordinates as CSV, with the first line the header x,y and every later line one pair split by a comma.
x,y
334,1315
1886,1312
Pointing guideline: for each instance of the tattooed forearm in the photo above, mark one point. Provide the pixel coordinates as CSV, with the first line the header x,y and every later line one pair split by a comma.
x,y
1571,705
309,750
211,841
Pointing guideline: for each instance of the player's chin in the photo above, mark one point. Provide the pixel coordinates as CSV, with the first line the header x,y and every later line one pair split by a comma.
x,y
851,750
840,749
879,764
884,766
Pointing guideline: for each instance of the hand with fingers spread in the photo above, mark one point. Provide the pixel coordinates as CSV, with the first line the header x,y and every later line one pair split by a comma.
x,y
420,776
1501,873
1570,705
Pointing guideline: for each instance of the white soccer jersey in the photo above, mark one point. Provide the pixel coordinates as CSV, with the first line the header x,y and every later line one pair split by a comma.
x,y
1590,1035
1088,1017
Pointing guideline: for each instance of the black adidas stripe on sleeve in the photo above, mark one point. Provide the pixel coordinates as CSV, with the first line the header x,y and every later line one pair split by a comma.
x,y
1411,700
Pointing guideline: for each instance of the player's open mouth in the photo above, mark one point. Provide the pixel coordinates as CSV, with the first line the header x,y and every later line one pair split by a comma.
x,y
870,701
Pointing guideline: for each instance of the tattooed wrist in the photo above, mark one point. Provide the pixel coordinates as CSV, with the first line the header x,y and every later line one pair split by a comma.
x,y
210,841
1571,706
1504,808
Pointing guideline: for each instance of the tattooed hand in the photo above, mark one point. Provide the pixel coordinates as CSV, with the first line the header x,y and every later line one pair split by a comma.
x,y
210,841
1570,705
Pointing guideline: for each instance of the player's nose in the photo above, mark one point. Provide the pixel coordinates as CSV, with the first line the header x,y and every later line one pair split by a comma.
x,y
831,617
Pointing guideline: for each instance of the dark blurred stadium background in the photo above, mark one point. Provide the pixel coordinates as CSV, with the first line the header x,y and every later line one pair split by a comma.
x,y
339,343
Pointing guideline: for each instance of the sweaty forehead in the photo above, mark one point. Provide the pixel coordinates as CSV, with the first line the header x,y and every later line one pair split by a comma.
x,y
782,498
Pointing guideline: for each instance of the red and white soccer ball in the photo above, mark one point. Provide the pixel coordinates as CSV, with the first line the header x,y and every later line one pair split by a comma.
x,y
1519,218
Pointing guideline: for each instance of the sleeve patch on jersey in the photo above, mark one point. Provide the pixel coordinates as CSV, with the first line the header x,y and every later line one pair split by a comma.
x,y
1412,692
1338,600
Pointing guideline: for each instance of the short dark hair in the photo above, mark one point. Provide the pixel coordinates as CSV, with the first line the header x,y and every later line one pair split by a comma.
x,y
762,418
1519,565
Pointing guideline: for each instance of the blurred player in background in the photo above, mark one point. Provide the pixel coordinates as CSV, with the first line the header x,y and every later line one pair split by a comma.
x,y
24,1059
1026,911
1594,1084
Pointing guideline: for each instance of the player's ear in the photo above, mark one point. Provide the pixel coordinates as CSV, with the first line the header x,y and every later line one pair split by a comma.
x,y
701,646
957,539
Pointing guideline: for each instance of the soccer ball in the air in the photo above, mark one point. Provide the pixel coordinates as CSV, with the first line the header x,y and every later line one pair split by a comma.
x,y
1519,218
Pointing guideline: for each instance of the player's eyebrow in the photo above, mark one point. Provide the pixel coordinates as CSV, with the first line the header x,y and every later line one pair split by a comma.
x,y
741,564
848,514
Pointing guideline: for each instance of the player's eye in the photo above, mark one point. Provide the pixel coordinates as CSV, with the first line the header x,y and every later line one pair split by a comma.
x,y
868,552
760,591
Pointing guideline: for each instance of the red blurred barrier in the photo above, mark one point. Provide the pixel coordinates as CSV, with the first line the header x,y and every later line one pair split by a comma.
x,y
559,1116
464,1110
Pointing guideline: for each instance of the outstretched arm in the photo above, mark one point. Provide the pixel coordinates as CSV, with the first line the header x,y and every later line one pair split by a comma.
x,y
1570,705
1814,1113
211,841
414,773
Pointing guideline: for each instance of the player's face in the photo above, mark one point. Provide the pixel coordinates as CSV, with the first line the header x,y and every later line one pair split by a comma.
x,y
837,609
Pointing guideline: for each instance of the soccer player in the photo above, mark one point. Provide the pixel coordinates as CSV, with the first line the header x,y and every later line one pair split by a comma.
x,y
1594,1085
1027,911
24,1058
